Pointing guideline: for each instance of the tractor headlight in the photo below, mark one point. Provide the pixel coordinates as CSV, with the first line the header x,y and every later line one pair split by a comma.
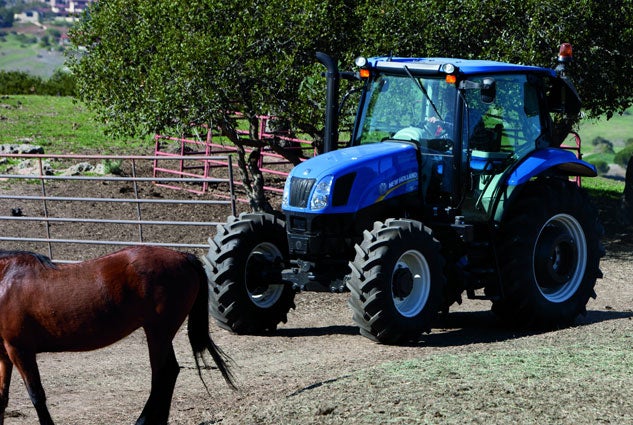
x,y
285,198
360,61
321,196
448,68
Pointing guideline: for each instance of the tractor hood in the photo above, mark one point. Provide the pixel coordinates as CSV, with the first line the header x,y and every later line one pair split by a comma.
x,y
347,180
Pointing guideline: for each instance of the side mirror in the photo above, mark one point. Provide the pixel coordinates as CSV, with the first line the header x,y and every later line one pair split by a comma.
x,y
488,90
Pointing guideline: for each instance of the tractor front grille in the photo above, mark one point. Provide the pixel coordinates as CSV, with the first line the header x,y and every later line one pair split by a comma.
x,y
300,191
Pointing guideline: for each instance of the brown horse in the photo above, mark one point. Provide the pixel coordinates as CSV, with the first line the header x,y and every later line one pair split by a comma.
x,y
78,307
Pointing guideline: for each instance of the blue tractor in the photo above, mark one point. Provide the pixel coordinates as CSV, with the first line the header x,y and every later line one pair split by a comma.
x,y
455,182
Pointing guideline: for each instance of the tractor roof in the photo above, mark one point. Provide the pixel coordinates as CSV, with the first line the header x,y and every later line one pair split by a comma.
x,y
465,66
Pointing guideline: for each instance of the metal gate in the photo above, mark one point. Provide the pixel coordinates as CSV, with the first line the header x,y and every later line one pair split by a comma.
x,y
76,207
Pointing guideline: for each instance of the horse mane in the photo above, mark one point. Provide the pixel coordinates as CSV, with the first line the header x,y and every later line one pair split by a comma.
x,y
42,259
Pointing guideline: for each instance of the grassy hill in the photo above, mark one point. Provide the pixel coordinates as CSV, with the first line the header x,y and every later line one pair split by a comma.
x,y
617,130
60,125
22,52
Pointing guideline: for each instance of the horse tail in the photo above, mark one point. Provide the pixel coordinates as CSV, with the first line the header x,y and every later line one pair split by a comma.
x,y
198,329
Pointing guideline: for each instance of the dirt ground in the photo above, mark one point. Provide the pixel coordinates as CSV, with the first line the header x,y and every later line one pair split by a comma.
x,y
317,369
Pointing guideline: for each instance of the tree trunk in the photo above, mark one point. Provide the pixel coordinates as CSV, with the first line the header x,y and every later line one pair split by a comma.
x,y
248,164
626,205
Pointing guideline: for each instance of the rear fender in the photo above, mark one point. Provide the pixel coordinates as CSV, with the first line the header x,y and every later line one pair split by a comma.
x,y
550,160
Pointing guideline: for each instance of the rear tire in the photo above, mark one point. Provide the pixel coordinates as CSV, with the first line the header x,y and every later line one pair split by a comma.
x,y
397,281
244,265
549,254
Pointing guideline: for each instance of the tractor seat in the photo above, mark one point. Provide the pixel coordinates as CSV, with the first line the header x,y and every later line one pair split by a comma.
x,y
408,134
421,139
487,139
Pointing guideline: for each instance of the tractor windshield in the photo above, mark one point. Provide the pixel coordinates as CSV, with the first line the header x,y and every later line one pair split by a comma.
x,y
404,107
414,109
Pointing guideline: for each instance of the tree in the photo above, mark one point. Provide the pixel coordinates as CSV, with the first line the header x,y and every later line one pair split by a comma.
x,y
150,66
626,202
6,17
518,31
195,62
625,158
602,145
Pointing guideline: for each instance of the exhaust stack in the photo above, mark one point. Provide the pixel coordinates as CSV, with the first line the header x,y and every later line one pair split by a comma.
x,y
330,136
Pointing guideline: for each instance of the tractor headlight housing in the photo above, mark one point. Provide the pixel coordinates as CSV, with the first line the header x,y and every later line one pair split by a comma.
x,y
322,193
285,198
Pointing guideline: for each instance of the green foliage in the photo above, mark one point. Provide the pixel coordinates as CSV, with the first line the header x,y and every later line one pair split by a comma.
x,y
61,83
517,31
26,38
622,157
601,165
6,18
602,145
188,62
54,33
111,166
45,41
16,82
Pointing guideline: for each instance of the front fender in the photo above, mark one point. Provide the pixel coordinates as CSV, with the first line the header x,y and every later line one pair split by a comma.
x,y
560,161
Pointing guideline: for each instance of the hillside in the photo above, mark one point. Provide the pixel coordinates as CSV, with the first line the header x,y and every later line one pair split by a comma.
x,y
20,52
618,129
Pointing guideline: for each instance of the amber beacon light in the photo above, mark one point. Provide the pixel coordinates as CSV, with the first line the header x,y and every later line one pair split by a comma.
x,y
565,53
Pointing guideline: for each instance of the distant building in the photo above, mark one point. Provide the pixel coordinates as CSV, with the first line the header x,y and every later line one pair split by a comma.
x,y
28,17
66,7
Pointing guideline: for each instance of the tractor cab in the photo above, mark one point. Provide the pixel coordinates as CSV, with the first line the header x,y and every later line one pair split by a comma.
x,y
471,121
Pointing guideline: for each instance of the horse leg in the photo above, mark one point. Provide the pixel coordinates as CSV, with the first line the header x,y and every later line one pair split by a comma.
x,y
26,364
165,370
6,369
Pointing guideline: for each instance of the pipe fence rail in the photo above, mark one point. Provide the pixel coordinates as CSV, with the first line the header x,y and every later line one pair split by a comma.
x,y
45,206
207,142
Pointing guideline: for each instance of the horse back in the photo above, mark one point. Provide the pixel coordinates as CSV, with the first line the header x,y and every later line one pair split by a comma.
x,y
92,304
157,276
165,283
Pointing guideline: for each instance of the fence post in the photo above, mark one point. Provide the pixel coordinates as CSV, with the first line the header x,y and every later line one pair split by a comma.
x,y
45,205
231,186
138,204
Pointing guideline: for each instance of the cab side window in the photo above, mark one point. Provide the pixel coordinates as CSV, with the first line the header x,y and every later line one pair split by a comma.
x,y
510,123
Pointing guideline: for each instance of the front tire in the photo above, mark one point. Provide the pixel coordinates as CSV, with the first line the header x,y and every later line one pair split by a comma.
x,y
549,255
245,259
397,281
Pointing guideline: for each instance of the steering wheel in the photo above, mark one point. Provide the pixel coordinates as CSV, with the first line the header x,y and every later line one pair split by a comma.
x,y
437,128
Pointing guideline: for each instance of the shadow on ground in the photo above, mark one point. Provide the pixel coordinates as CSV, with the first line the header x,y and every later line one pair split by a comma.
x,y
462,328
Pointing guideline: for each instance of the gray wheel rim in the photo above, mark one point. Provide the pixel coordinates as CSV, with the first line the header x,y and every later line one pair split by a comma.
x,y
413,303
263,295
567,225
